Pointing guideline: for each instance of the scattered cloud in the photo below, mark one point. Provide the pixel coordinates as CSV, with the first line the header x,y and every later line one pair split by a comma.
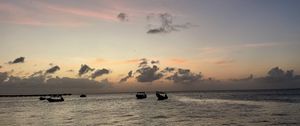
x,y
42,84
165,24
168,69
143,62
184,76
224,61
52,70
99,73
38,73
147,73
17,60
129,75
278,75
154,62
123,17
84,69
3,76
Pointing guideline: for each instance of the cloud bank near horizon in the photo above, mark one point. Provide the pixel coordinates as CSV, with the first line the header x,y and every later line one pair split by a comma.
x,y
150,73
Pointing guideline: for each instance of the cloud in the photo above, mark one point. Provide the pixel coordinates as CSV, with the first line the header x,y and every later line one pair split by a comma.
x,y
84,69
1,66
183,76
250,77
148,74
42,85
165,21
52,70
99,73
123,17
17,60
3,76
38,73
169,69
154,62
130,74
278,75
224,61
143,62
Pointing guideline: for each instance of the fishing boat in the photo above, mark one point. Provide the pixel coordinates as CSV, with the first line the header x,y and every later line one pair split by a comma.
x,y
55,99
82,96
161,95
141,95
42,98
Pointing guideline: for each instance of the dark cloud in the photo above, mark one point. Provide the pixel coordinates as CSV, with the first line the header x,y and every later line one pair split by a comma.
x,y
41,84
143,62
84,69
99,73
148,74
123,17
1,67
276,72
38,73
169,69
154,62
130,74
157,30
184,76
3,76
166,24
278,75
17,60
250,77
52,70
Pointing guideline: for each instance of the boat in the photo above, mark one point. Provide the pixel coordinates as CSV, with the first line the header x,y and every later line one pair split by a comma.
x,y
141,95
82,96
161,95
55,99
42,98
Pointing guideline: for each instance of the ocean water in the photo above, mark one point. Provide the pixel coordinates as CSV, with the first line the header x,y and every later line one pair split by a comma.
x,y
269,107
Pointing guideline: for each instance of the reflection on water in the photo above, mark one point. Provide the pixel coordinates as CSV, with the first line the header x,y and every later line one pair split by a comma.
x,y
196,108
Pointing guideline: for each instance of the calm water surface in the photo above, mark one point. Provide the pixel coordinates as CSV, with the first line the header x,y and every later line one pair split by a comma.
x,y
189,108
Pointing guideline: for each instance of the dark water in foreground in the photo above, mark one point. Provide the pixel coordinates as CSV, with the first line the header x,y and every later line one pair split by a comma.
x,y
189,108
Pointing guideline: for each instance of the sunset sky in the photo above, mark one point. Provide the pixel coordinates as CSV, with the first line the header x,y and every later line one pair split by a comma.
x,y
222,39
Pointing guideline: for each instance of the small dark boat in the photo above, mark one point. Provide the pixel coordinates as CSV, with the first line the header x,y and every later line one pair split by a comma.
x,y
141,95
55,99
161,95
82,95
42,98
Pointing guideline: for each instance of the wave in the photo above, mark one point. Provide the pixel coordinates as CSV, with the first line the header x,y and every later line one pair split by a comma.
x,y
218,101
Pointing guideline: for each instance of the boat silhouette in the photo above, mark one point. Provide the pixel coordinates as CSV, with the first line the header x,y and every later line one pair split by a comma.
x,y
42,98
161,95
82,95
141,95
55,99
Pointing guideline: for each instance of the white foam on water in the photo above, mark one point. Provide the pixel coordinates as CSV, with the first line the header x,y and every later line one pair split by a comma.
x,y
218,101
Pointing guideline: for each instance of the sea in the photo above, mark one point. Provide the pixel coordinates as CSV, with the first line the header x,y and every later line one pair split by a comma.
x,y
197,108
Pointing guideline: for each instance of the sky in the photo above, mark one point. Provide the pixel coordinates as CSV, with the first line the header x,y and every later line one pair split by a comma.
x,y
204,41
